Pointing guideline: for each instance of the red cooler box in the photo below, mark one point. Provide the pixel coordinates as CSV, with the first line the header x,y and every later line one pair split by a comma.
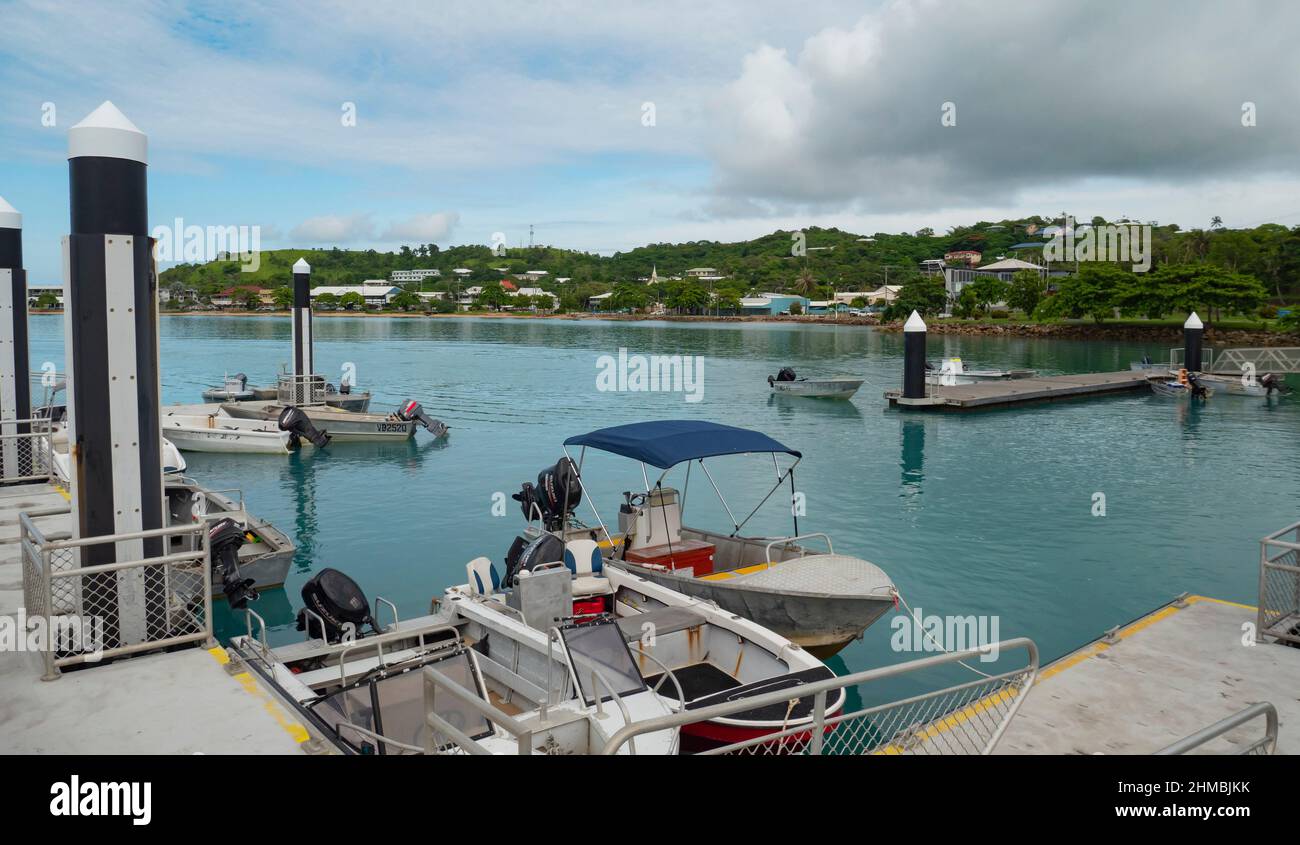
x,y
686,554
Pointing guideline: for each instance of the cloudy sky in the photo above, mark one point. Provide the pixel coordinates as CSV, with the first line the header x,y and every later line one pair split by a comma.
x,y
608,125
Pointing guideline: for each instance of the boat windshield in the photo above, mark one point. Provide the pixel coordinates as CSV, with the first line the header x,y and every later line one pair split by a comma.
x,y
598,649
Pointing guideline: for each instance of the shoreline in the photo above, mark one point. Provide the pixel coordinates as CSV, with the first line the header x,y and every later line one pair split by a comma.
x,y
1057,331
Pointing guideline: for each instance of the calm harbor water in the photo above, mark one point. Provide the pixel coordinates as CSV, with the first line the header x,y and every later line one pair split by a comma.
x,y
984,514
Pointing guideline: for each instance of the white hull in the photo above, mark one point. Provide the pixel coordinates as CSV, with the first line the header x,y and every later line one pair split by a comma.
x,y
825,388
219,433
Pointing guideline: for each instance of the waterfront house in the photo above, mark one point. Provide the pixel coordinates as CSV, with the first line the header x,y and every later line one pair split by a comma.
x,y
236,295
376,292
35,292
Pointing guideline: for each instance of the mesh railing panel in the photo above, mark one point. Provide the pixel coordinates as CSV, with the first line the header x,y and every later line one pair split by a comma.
x,y
26,456
957,720
89,612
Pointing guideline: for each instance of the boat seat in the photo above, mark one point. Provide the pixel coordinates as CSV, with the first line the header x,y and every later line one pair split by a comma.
x,y
483,578
583,559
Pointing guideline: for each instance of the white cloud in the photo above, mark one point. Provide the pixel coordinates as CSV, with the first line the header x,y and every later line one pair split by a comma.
x,y
423,228
1044,95
334,229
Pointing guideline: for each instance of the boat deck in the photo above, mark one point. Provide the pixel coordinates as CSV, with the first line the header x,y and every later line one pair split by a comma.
x,y
823,574
1002,393
1157,680
180,702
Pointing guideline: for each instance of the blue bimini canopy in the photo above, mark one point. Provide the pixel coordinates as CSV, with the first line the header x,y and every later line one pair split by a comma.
x,y
666,443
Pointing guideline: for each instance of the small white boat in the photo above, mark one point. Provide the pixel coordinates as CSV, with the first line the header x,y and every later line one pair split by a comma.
x,y
1178,390
233,389
953,371
786,383
1263,387
224,434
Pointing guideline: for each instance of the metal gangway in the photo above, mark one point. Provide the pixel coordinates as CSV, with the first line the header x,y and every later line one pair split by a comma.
x,y
1234,362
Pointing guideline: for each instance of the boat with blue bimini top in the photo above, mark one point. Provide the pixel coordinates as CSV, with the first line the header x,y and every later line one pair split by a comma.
x,y
822,600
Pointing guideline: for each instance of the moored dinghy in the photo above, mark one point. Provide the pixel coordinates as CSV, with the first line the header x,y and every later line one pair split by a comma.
x,y
786,383
222,434
820,600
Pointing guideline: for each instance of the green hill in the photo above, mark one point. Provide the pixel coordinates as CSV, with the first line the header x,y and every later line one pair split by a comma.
x,y
835,258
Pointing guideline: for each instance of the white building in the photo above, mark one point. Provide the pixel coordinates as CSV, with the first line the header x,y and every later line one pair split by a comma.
x,y
376,292
555,300
415,275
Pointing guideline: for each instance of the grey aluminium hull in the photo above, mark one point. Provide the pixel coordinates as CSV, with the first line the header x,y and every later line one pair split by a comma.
x,y
821,623
825,388
340,425
266,561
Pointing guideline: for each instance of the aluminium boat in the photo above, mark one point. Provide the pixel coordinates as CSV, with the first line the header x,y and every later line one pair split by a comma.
x,y
786,383
344,425
224,434
822,600
559,656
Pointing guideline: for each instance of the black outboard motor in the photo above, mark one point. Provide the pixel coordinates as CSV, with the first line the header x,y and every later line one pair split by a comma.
x,y
413,410
1198,389
299,425
554,497
339,603
545,549
1270,383
224,539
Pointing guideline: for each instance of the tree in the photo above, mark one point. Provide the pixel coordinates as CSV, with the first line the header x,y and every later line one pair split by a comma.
x,y
1026,290
988,289
687,296
967,303
283,297
630,296
727,302
407,301
249,299
352,300
1092,292
327,300
923,294
493,296
805,284
47,301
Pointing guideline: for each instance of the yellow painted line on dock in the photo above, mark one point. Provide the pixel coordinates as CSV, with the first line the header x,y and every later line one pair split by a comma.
x,y
964,715
272,707
67,497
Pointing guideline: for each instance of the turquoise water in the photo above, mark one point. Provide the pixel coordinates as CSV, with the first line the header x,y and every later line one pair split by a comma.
x,y
985,514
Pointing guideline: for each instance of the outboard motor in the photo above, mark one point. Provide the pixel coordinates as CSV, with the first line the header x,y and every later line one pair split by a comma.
x,y
1270,383
1198,389
545,549
299,425
413,410
339,603
554,497
224,539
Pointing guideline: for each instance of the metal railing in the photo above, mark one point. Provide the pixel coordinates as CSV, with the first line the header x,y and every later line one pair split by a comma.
x,y
298,390
26,450
1279,586
133,602
967,718
1267,744
1264,359
442,735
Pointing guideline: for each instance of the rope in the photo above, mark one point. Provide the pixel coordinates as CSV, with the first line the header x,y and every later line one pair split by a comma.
x,y
898,597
